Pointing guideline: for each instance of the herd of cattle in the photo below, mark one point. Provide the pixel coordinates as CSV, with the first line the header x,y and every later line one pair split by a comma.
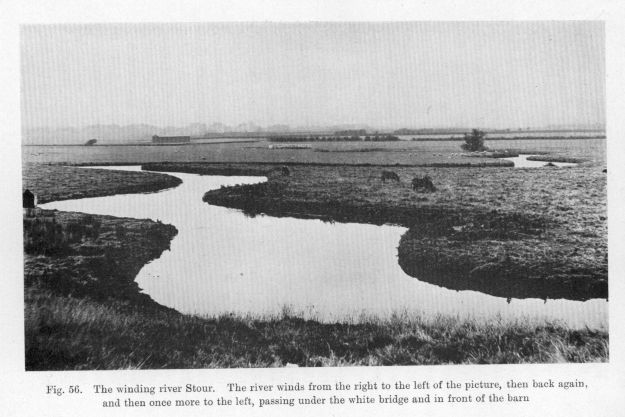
x,y
419,184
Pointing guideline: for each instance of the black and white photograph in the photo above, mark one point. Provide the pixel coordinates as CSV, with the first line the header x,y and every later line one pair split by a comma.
x,y
217,195
313,208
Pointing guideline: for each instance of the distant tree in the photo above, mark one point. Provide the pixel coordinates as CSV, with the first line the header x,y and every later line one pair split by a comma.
x,y
474,141
91,142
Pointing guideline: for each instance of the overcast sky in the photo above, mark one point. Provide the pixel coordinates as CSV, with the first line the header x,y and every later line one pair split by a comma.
x,y
483,74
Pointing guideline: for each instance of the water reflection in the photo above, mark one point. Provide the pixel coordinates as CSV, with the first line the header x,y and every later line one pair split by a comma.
x,y
521,161
222,261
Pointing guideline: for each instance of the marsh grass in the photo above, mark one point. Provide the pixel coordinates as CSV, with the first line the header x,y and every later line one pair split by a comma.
x,y
70,333
54,183
557,158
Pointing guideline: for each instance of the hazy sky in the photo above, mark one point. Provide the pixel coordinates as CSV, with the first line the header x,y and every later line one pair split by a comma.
x,y
486,74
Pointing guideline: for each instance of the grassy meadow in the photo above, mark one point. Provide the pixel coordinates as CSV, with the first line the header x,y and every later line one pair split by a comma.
x,y
53,183
539,233
388,153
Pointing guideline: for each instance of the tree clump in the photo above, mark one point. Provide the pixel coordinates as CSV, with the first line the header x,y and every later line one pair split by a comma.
x,y
474,141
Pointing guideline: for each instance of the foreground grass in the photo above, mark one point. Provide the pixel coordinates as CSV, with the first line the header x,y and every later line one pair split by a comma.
x,y
69,333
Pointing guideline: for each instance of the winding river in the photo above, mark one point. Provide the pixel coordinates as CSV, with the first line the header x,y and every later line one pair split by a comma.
x,y
224,262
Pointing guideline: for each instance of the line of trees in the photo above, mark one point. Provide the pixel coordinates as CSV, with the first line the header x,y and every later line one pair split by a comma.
x,y
332,138
351,132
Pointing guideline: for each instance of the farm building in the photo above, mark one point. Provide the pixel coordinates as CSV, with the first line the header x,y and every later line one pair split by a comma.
x,y
171,139
32,212
29,200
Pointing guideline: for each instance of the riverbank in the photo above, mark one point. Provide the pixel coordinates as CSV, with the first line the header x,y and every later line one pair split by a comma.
x,y
94,323
514,233
556,158
83,260
58,182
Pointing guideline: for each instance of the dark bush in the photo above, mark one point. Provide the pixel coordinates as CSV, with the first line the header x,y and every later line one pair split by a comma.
x,y
474,141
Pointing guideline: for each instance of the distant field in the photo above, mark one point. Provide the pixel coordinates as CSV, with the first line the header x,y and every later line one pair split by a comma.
x,y
401,152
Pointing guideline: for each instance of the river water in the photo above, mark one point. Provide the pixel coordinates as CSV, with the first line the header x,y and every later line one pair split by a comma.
x,y
521,161
223,262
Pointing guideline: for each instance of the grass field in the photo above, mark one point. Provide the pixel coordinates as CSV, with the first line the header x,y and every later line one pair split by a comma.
x,y
401,152
548,225
53,183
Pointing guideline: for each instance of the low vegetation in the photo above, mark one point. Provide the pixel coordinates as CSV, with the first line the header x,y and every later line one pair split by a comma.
x,y
377,149
413,153
556,158
45,237
201,169
92,256
54,183
495,136
281,147
79,333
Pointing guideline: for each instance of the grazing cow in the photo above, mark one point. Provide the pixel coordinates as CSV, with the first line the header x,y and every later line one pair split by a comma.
x,y
423,184
283,170
389,175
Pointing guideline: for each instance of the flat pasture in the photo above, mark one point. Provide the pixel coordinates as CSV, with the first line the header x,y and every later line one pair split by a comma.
x,y
374,153
54,183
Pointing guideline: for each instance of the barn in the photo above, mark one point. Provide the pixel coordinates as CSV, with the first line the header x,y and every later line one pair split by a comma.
x,y
170,139
34,213
29,200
